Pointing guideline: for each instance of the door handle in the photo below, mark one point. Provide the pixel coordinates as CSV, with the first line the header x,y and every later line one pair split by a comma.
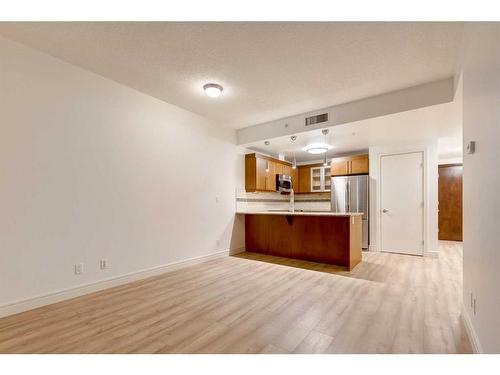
x,y
385,211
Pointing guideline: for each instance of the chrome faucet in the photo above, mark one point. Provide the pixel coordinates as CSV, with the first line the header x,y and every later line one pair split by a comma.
x,y
292,201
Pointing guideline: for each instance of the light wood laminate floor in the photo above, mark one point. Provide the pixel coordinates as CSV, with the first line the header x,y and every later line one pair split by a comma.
x,y
253,303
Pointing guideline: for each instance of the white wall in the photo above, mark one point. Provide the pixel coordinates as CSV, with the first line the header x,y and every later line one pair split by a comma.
x,y
429,149
456,160
481,179
91,169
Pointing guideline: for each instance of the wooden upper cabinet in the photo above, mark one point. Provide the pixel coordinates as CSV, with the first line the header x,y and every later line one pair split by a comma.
x,y
258,179
295,179
256,176
304,179
339,167
357,164
273,169
278,167
287,169
261,175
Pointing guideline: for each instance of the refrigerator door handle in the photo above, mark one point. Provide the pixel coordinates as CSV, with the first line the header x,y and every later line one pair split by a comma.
x,y
345,208
348,196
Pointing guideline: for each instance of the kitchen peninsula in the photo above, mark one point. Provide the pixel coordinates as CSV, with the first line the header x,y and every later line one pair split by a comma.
x,y
325,237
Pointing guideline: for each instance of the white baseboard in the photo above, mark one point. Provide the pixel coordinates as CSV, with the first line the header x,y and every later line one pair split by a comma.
x,y
50,298
471,333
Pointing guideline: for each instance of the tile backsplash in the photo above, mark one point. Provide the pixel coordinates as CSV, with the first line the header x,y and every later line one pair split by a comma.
x,y
262,201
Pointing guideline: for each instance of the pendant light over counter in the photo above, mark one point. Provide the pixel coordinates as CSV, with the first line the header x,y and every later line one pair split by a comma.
x,y
325,162
294,161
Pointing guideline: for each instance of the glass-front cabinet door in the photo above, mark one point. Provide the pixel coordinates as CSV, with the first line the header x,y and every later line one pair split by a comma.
x,y
316,179
320,179
327,178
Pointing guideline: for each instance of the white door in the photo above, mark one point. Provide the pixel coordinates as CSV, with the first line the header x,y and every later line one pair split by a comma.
x,y
402,203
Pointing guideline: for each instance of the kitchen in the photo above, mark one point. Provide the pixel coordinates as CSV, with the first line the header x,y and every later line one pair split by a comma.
x,y
347,221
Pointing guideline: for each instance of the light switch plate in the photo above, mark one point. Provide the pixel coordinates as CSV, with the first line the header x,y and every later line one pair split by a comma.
x,y
78,268
471,147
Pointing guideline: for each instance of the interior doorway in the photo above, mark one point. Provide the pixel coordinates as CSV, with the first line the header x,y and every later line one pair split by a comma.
x,y
402,203
450,202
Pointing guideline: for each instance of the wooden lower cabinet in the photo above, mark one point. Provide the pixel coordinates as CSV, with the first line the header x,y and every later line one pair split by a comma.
x,y
324,239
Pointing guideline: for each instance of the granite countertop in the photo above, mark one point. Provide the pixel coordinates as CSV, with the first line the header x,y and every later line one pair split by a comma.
x,y
300,213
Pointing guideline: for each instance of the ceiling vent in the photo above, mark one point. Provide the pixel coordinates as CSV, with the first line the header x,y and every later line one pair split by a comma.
x,y
317,119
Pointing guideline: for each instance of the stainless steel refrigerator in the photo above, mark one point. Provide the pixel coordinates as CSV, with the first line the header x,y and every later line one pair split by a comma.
x,y
350,194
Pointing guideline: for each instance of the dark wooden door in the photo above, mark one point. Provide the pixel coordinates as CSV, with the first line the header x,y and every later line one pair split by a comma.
x,y
450,202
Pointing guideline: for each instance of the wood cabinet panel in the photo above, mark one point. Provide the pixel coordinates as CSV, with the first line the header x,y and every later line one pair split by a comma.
x,y
279,234
258,179
327,239
287,169
304,179
345,166
359,164
261,174
278,168
270,176
256,176
339,167
295,180
257,234
251,174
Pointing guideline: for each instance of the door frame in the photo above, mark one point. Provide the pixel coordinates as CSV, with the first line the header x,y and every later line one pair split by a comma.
x,y
423,151
447,165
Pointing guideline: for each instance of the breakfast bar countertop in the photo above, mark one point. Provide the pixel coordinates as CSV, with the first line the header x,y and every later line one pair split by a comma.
x,y
299,213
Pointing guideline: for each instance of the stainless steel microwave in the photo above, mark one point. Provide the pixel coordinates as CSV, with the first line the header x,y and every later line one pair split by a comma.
x,y
283,183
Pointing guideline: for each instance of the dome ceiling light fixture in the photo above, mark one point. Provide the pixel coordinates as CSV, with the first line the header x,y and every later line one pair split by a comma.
x,y
320,147
317,148
213,90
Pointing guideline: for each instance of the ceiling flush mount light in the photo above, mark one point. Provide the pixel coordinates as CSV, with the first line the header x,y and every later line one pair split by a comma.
x,y
213,90
317,148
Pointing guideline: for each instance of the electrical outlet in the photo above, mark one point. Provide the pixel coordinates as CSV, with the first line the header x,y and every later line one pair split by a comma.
x,y
103,264
78,268
217,242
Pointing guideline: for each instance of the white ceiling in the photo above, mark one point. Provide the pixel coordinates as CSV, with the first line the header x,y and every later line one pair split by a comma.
x,y
441,122
268,70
